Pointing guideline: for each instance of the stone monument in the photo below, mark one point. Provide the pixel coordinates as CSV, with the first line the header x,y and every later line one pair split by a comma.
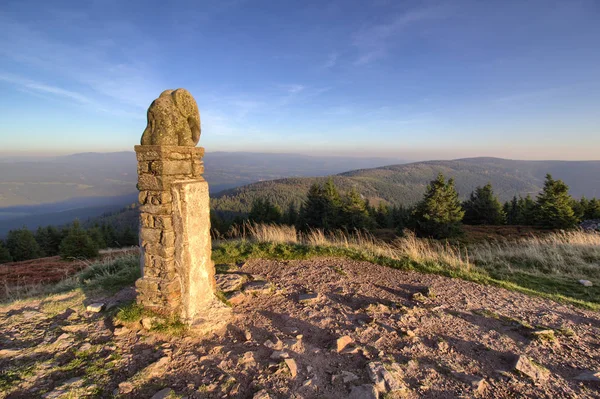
x,y
178,275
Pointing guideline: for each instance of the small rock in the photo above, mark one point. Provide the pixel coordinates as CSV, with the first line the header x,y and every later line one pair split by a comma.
x,y
249,360
125,387
348,376
9,352
366,391
85,347
309,382
384,380
291,363
62,337
236,298
279,355
95,307
149,322
419,297
586,283
262,394
307,297
589,375
228,282
477,383
248,335
257,287
121,331
157,368
162,394
278,345
342,342
527,367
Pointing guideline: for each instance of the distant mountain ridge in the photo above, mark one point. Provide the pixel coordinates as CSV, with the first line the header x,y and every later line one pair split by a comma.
x,y
406,183
59,189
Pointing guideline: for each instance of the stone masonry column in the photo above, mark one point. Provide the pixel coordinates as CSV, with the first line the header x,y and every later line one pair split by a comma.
x,y
178,275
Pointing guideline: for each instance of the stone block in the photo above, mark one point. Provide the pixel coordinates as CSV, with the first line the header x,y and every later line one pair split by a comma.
x,y
156,152
197,168
143,167
156,209
158,198
164,222
159,250
183,167
157,183
146,220
150,236
167,238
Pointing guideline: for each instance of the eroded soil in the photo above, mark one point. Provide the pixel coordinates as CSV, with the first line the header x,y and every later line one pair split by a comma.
x,y
436,338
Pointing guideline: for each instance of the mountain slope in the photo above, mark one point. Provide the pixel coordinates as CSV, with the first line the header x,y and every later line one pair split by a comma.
x,y
405,184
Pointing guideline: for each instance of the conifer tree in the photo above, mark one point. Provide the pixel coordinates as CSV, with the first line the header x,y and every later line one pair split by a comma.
x,y
511,210
96,235
22,245
382,216
439,214
4,254
527,213
263,211
332,205
290,217
128,238
592,210
354,215
553,206
483,207
78,244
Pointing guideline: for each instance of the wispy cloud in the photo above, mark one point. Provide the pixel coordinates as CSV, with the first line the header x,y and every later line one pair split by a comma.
x,y
331,61
372,42
114,81
44,88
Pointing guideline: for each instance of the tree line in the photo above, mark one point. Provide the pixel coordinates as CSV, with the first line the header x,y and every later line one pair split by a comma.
x,y
73,242
439,214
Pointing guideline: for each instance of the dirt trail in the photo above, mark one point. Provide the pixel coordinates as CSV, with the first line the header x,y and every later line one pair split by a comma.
x,y
411,335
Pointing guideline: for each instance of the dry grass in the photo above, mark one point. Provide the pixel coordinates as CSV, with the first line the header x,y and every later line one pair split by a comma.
x,y
406,247
565,253
551,264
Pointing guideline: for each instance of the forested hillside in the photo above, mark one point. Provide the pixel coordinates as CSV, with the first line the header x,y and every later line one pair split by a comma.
x,y
405,184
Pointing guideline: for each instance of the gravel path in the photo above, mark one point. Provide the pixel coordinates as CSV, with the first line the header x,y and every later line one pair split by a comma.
x,y
407,334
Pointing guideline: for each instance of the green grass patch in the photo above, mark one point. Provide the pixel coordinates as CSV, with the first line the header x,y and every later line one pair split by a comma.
x,y
111,275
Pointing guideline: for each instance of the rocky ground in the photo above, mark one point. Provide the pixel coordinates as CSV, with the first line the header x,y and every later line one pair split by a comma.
x,y
325,328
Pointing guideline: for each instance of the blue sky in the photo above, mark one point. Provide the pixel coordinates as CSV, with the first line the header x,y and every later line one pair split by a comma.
x,y
412,79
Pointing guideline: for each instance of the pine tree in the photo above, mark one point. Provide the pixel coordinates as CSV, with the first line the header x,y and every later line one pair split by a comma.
x,y
332,205
511,210
483,207
22,245
439,214
579,207
263,211
382,216
290,217
96,235
553,206
592,210
128,238
354,215
313,211
109,235
78,244
527,212
5,256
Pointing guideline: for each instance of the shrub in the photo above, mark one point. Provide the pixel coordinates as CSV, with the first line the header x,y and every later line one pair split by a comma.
x,y
78,244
